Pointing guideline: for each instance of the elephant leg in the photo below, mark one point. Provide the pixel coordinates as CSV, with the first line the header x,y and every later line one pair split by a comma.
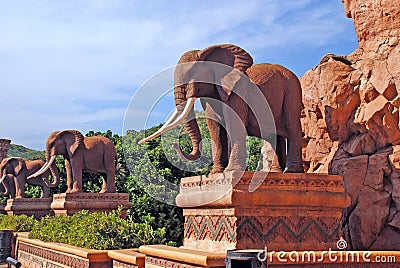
x,y
292,109
45,188
77,167
218,138
235,116
12,191
108,182
69,176
104,185
294,161
109,177
19,186
281,152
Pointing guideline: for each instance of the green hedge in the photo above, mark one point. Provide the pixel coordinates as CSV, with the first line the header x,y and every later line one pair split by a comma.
x,y
99,230
18,223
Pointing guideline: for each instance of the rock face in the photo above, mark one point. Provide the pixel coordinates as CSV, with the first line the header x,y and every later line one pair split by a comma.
x,y
351,124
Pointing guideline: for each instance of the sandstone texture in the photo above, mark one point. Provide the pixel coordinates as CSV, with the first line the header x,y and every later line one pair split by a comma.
x,y
351,124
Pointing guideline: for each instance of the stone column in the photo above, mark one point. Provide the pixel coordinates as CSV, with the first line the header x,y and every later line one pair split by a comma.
x,y
4,146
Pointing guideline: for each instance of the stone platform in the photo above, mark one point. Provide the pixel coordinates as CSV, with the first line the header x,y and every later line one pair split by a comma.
x,y
251,210
160,256
71,203
38,207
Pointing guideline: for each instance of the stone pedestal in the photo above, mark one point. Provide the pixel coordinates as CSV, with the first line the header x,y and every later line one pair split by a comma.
x,y
38,207
71,203
252,210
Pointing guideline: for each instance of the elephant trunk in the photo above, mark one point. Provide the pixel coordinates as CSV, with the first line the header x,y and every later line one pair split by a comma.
x,y
3,177
5,188
191,127
53,170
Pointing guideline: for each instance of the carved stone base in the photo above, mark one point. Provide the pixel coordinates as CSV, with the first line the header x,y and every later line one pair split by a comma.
x,y
37,254
160,256
71,203
252,210
127,258
38,207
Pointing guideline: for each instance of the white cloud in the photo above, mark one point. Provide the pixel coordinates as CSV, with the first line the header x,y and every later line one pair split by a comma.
x,y
77,63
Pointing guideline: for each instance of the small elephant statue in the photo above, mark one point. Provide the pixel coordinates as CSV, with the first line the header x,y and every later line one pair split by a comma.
x,y
93,154
15,171
235,95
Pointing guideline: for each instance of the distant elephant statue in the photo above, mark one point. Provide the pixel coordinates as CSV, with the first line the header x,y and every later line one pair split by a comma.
x,y
231,93
93,154
15,172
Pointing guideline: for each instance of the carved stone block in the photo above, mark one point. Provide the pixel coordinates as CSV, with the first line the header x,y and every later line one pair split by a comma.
x,y
127,258
34,253
252,210
71,203
159,256
38,207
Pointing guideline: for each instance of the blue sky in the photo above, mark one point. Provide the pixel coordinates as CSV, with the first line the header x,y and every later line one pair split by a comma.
x,y
77,64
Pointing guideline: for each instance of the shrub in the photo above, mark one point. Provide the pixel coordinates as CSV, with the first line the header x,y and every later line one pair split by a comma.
x,y
18,223
98,230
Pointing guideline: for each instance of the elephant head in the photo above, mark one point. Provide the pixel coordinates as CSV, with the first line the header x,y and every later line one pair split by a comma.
x,y
63,143
194,78
12,166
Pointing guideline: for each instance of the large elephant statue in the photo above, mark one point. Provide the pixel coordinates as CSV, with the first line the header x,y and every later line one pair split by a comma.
x,y
93,154
232,102
14,174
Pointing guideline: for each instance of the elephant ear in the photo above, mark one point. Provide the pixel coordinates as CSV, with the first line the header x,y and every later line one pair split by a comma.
x,y
72,138
233,56
18,164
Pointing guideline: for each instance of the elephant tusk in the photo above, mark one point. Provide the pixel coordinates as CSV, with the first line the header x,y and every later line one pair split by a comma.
x,y
2,178
44,168
170,119
172,122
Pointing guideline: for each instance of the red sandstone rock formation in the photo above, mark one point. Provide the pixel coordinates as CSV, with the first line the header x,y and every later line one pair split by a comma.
x,y
351,124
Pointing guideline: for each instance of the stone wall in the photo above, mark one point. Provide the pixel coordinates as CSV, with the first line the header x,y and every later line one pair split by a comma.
x,y
351,124
4,146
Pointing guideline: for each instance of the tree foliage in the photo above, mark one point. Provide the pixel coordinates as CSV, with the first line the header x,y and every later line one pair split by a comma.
x,y
25,153
98,230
